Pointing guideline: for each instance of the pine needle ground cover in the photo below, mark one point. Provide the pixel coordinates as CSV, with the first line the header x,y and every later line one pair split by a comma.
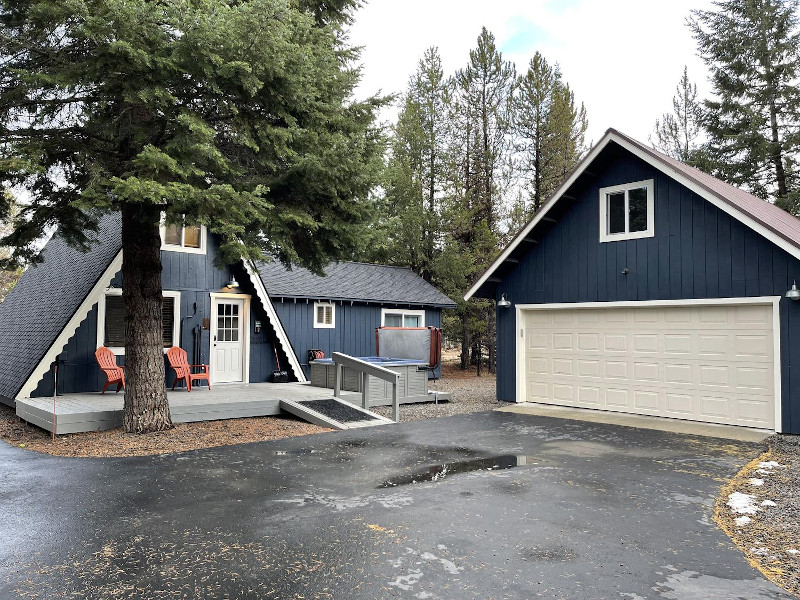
x,y
760,511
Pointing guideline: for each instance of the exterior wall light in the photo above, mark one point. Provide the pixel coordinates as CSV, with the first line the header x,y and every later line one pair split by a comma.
x,y
232,283
794,293
504,303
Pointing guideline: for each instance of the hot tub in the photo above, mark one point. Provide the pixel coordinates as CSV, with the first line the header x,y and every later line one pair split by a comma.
x,y
412,385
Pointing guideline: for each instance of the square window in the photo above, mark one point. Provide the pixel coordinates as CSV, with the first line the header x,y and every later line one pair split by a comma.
x,y
180,237
324,315
626,211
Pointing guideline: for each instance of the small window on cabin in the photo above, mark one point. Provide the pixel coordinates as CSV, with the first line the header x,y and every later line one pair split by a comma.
x,y
114,321
626,211
324,315
402,318
181,237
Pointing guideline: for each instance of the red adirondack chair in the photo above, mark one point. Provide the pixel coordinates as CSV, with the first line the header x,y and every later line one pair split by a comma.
x,y
183,370
108,364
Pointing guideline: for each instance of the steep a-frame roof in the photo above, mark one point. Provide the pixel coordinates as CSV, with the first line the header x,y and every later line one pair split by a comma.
x,y
765,218
47,297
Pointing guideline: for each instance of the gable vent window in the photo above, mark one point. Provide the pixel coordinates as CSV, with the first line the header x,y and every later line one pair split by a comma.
x,y
111,321
324,315
626,211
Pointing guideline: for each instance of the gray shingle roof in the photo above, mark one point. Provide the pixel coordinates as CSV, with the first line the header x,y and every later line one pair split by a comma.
x,y
45,298
352,281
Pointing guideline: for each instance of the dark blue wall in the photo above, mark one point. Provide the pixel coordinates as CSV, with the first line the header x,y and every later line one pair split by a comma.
x,y
698,252
194,275
354,333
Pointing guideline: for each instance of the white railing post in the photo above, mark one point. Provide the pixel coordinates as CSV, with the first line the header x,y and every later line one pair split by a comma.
x,y
364,391
395,400
366,369
337,380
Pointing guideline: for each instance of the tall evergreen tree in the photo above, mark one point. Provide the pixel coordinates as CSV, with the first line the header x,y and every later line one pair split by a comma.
x,y
549,134
234,115
678,134
752,48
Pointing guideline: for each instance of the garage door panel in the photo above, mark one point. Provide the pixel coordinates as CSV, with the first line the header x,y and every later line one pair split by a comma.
x,y
706,363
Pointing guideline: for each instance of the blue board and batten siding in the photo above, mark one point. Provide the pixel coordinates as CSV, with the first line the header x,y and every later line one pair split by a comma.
x,y
194,276
354,333
698,251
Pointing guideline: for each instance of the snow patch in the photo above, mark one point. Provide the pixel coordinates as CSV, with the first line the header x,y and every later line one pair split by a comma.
x,y
756,481
406,582
768,503
743,504
448,565
742,520
793,551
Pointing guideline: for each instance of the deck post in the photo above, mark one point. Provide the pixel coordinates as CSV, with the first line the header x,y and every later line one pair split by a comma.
x,y
364,390
337,380
395,400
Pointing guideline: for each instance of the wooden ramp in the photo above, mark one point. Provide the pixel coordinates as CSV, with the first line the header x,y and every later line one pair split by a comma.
x,y
334,413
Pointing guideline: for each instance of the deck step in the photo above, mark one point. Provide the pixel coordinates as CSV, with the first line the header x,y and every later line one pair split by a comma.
x,y
311,411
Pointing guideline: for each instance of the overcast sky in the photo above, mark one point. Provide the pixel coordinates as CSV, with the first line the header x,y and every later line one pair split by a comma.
x,y
622,58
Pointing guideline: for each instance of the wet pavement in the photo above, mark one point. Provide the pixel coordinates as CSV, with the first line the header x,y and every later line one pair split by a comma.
x,y
488,505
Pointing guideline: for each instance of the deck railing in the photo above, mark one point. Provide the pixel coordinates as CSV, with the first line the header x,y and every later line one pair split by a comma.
x,y
366,369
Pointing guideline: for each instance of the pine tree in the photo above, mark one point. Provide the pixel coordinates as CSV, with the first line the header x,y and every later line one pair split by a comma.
x,y
679,134
234,115
752,48
550,133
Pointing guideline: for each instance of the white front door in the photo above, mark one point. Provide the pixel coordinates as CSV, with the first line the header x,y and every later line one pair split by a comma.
x,y
227,340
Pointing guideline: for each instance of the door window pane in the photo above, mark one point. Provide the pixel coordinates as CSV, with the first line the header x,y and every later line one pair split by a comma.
x,y
616,212
637,210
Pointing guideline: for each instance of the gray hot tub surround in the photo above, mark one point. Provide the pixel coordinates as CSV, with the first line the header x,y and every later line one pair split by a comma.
x,y
412,385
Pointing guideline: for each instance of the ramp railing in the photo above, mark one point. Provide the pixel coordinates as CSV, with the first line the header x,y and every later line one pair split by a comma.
x,y
366,369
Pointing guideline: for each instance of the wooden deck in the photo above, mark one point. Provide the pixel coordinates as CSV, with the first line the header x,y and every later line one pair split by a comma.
x,y
96,412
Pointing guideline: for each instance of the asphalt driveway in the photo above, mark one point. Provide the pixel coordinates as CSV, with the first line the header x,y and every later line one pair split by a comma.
x,y
589,511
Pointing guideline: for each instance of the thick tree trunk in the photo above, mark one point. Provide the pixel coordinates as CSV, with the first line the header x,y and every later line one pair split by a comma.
x,y
146,406
465,342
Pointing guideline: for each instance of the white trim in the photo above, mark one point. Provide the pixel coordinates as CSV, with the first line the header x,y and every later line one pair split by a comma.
x,y
175,248
612,136
245,320
283,339
774,301
101,318
69,329
403,312
325,304
605,236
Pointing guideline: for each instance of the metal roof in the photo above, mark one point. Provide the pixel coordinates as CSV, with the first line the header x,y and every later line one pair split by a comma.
x,y
46,296
353,281
772,222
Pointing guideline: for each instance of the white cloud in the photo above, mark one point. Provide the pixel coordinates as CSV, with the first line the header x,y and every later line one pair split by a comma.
x,y
623,58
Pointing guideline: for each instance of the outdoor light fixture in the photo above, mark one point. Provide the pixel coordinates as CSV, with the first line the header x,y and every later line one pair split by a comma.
x,y
257,326
504,303
232,283
794,293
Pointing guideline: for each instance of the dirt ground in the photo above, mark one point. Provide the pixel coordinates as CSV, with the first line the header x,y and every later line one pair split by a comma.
x,y
470,394
760,511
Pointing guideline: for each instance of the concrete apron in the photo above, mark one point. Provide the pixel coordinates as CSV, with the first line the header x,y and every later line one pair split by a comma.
x,y
742,434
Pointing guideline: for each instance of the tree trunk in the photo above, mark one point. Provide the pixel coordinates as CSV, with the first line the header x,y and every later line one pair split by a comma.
x,y
146,407
465,342
491,338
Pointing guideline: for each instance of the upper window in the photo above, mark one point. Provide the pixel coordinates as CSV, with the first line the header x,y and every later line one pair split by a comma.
x,y
626,211
324,315
184,238
392,317
111,320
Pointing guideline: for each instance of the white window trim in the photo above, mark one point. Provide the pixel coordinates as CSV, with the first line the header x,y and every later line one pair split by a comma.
x,y
404,312
626,235
182,248
317,324
101,319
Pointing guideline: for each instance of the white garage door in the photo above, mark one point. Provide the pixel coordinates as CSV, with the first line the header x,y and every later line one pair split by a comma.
x,y
703,363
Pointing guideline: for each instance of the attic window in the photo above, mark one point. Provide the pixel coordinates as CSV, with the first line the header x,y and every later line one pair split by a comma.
x,y
324,315
184,238
626,211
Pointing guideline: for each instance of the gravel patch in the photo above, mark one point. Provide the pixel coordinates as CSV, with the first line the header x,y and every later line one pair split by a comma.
x,y
760,511
469,394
